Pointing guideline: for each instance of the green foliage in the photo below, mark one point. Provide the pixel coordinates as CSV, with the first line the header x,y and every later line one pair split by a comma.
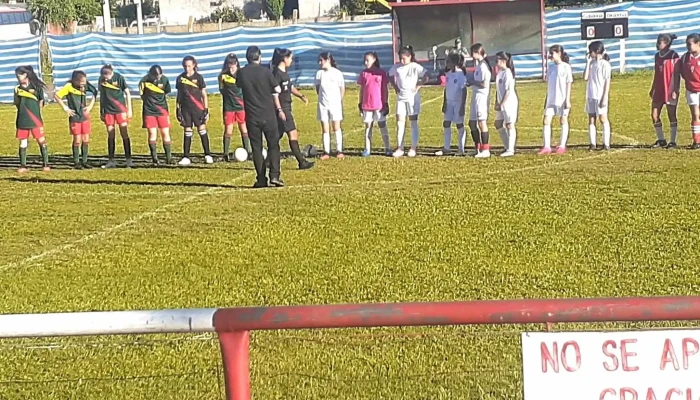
x,y
354,7
576,3
64,12
226,14
148,7
274,8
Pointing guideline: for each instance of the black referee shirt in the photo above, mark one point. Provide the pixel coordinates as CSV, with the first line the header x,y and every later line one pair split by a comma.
x,y
258,86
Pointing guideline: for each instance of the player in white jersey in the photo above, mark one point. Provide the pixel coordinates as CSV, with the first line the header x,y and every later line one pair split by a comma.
x,y
479,109
454,102
558,101
330,86
597,73
407,77
506,103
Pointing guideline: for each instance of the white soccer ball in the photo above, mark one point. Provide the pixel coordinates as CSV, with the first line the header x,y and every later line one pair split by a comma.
x,y
264,153
240,154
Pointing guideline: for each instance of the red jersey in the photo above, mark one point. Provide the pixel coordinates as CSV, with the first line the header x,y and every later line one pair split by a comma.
x,y
663,76
690,71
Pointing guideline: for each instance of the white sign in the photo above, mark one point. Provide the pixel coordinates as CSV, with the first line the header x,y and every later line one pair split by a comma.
x,y
618,30
652,365
593,15
590,31
617,14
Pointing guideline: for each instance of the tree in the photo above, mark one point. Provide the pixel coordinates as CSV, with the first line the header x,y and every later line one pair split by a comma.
x,y
65,12
274,8
354,7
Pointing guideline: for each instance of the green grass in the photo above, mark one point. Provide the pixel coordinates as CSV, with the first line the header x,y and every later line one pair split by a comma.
x,y
621,223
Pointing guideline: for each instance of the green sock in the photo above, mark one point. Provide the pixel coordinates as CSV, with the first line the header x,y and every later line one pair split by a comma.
x,y
84,150
246,144
23,157
76,154
227,145
44,148
168,152
154,151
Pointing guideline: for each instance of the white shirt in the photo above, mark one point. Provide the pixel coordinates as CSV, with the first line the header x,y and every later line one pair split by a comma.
x,y
558,77
330,84
599,71
505,82
455,82
482,73
406,78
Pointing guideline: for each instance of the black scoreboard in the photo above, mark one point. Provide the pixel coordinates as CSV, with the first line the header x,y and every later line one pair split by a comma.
x,y
604,25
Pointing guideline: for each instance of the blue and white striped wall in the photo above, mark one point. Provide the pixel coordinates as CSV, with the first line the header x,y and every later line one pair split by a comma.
x,y
14,53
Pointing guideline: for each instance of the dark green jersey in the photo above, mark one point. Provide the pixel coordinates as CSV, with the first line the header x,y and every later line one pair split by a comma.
x,y
232,94
113,95
28,100
77,100
154,96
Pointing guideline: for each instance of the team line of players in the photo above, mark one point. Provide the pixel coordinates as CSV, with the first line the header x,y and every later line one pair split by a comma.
x,y
406,77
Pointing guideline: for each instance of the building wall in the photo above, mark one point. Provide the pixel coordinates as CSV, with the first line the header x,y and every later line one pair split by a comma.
x,y
178,12
316,8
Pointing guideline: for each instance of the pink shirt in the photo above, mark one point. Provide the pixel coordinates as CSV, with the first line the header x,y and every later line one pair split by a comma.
x,y
374,84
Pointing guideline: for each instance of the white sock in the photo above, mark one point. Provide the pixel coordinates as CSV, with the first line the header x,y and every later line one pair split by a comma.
x,y
462,138
592,134
339,140
368,138
447,135
385,137
503,133
326,142
414,134
564,135
400,132
674,132
606,134
547,136
512,135
659,128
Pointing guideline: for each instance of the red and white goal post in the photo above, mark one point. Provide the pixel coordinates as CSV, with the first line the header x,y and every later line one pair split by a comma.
x,y
636,365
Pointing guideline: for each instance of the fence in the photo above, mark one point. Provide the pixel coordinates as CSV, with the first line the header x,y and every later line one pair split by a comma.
x,y
14,53
233,325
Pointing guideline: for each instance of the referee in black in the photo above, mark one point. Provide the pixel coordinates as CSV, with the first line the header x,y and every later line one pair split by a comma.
x,y
262,108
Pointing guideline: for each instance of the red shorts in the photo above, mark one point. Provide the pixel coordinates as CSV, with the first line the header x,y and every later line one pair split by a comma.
x,y
234,117
80,128
116,119
36,133
153,122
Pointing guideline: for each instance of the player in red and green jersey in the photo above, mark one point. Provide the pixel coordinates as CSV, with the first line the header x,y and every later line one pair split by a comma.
x,y
29,99
234,112
192,108
153,88
78,109
115,109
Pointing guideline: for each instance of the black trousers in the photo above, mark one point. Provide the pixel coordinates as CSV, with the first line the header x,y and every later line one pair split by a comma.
x,y
256,130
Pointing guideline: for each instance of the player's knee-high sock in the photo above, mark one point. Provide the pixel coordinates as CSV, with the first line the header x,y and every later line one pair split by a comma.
x,y
659,129
339,140
246,143
447,135
327,142
512,136
111,145
564,135
126,141
674,132
84,150
168,148
414,134
606,134
592,134
461,138
503,133
23,153
695,129
294,146
385,136
547,136
476,137
187,143
400,132
368,137
485,140
44,149
227,145
76,153
204,137
153,147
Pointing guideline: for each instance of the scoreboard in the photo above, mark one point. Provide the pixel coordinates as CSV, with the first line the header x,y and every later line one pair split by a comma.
x,y
604,25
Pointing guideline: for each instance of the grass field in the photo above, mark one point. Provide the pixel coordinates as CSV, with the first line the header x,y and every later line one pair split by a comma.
x,y
620,223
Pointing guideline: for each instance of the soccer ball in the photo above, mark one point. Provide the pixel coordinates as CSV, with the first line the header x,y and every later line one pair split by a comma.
x,y
265,153
240,154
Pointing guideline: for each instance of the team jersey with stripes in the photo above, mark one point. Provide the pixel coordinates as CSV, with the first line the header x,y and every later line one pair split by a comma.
x,y
113,94
189,91
232,94
77,100
28,102
154,96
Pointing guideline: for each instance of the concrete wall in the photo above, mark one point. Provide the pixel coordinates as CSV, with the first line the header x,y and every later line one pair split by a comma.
x,y
178,12
316,8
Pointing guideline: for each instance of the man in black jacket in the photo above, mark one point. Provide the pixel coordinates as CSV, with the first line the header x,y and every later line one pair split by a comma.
x,y
262,108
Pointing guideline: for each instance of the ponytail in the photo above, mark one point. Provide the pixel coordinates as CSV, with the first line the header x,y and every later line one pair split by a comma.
x,y
31,75
565,57
508,58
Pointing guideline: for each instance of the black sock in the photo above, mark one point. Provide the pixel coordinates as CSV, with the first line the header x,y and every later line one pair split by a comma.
x,y
485,137
111,146
187,146
44,148
205,142
84,149
154,151
294,145
476,137
127,146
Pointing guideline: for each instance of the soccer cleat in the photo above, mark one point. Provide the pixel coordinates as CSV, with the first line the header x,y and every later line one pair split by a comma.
x,y
605,148
412,153
441,153
460,154
258,184
155,164
129,163
77,166
659,144
306,165
110,164
398,153
388,152
340,156
366,153
484,154
86,166
545,151
47,169
508,154
672,146
325,157
22,170
276,182
227,158
561,150
209,159
695,146
184,162
592,147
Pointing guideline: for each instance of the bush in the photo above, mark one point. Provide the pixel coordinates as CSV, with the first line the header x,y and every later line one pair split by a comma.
x,y
64,12
225,14
354,7
274,9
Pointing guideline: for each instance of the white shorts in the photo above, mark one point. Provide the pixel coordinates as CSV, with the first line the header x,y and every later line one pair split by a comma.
x,y
553,111
479,108
693,99
326,114
408,108
508,116
373,116
592,108
454,112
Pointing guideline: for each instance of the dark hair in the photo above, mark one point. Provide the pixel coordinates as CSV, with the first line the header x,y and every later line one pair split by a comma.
x,y
454,59
105,68
557,48
327,56
667,38
154,71
253,54
230,59
408,51
598,48
375,64
508,58
189,58
31,75
278,56
480,49
76,77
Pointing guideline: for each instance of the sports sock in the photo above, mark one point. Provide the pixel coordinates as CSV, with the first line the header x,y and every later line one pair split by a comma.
x,y
447,137
339,140
326,143
564,135
152,146
659,128
76,154
476,137
246,143
695,129
461,138
187,144
23,157
503,133
606,134
592,134
111,146
368,138
84,150
227,145
512,136
204,137
485,141
126,141
385,137
168,148
674,132
44,149
294,146
414,134
547,136
400,132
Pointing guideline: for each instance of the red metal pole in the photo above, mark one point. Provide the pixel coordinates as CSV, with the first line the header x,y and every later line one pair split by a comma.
x,y
234,351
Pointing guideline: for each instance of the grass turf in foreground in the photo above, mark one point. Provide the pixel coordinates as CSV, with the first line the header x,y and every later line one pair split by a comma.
x,y
358,230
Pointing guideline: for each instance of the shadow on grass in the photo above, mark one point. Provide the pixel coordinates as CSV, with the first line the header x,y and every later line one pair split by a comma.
x,y
65,161
35,180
